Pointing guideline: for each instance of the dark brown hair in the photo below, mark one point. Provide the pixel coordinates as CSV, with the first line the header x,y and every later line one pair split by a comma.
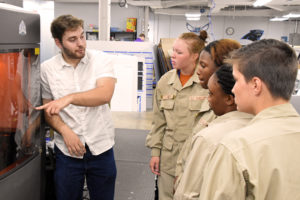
x,y
203,35
64,23
273,61
220,49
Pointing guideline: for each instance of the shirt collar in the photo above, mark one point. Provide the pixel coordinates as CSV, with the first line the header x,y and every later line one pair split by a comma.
x,y
232,115
63,63
174,79
282,110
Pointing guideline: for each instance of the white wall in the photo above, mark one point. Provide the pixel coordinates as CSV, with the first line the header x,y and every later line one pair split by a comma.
x,y
89,13
46,11
119,16
165,26
86,11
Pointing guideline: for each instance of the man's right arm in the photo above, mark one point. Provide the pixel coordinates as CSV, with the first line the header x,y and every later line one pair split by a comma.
x,y
72,141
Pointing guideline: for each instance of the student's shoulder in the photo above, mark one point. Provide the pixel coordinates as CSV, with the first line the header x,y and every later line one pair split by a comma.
x,y
165,78
220,128
257,131
236,140
251,136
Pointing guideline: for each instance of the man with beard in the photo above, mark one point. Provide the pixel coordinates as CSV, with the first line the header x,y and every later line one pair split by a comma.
x,y
77,85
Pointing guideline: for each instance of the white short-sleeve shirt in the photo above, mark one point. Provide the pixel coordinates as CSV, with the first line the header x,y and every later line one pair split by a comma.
x,y
93,125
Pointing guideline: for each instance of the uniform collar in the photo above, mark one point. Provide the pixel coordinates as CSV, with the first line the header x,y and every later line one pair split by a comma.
x,y
175,81
63,63
278,111
232,115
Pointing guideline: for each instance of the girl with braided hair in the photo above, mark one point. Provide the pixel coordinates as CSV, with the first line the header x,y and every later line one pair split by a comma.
x,y
221,101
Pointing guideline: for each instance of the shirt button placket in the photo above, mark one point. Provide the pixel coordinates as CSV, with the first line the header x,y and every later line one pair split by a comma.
x,y
76,81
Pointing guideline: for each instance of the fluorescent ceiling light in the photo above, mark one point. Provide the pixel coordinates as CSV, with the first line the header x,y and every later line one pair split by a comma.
x,y
192,15
261,2
292,15
279,19
193,18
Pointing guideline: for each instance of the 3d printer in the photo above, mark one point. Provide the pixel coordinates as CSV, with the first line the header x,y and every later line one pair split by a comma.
x,y
21,135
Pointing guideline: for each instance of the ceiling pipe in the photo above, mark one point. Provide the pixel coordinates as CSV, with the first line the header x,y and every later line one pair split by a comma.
x,y
167,4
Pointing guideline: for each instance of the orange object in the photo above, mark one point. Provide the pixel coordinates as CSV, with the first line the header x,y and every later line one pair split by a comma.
x,y
184,78
131,25
10,86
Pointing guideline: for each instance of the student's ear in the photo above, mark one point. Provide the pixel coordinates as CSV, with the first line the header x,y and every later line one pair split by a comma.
x,y
58,43
195,56
229,100
256,84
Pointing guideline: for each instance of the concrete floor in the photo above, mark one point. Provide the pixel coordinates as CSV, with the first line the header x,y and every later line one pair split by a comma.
x,y
133,120
134,179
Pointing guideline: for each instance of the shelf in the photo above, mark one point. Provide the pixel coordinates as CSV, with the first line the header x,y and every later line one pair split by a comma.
x,y
123,36
91,35
119,36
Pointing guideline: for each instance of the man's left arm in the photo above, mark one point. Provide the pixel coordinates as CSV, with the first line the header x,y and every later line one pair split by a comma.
x,y
100,95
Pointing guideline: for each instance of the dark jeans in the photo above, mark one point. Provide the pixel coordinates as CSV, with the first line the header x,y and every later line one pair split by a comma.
x,y
100,172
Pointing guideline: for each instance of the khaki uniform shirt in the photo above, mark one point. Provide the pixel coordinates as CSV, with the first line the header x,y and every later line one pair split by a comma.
x,y
260,161
175,108
201,123
203,144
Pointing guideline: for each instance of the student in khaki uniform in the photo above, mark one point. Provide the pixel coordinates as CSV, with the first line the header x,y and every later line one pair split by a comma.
x,y
211,58
221,101
260,161
178,99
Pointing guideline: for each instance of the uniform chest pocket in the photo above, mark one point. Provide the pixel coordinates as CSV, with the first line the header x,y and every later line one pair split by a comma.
x,y
167,104
199,104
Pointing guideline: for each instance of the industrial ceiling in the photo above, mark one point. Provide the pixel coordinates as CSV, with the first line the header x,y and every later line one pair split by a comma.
x,y
213,7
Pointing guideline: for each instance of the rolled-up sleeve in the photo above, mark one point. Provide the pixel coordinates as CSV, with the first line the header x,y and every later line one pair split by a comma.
x,y
46,91
105,65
